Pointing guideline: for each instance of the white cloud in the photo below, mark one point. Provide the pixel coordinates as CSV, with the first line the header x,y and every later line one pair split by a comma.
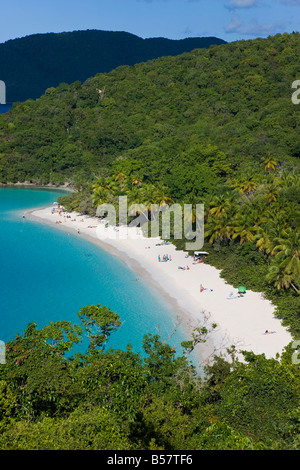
x,y
291,2
253,28
235,24
242,3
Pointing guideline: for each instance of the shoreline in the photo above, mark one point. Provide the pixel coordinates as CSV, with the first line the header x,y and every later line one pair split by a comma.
x,y
240,321
180,313
28,184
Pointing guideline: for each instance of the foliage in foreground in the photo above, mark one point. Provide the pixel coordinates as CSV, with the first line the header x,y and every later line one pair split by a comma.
x,y
112,399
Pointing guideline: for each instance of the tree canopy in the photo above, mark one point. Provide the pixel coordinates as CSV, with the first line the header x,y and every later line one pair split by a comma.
x,y
53,399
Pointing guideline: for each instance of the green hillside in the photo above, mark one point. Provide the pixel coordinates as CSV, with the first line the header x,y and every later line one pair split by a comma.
x,y
236,97
33,63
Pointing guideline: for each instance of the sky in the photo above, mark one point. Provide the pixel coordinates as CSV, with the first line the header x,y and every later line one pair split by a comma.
x,y
230,20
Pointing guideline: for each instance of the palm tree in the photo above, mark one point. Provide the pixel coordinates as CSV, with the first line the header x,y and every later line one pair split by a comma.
x,y
162,196
148,192
272,194
137,181
219,228
116,187
284,180
288,243
121,178
264,242
221,205
245,186
136,202
245,227
286,254
280,278
214,232
101,183
270,163
100,191
273,222
99,196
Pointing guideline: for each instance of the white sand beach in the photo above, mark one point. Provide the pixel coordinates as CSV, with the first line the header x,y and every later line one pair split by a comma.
x,y
241,321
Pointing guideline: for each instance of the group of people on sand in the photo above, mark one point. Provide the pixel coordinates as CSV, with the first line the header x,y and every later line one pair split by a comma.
x,y
197,260
239,295
165,258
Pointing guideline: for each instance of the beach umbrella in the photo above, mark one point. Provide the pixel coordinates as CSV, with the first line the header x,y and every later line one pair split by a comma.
x,y
242,289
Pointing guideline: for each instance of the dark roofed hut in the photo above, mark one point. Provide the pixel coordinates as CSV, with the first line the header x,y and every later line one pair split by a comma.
x,y
200,256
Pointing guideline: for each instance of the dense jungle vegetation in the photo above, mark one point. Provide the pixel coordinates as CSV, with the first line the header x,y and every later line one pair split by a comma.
x,y
117,400
214,126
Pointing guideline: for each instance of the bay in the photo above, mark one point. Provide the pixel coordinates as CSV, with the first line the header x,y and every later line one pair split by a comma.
x,y
47,275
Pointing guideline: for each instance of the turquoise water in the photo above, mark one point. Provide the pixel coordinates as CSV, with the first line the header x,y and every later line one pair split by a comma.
x,y
46,275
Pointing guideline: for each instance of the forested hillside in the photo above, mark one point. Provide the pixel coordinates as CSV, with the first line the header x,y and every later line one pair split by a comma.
x,y
33,63
236,98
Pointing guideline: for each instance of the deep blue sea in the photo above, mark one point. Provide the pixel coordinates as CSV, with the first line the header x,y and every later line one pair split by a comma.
x,y
4,108
46,275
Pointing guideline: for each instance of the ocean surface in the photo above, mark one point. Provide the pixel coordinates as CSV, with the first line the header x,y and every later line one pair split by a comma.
x,y
4,108
47,275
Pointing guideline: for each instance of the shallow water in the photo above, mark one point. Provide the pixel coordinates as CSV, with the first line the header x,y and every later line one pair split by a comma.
x,y
48,275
